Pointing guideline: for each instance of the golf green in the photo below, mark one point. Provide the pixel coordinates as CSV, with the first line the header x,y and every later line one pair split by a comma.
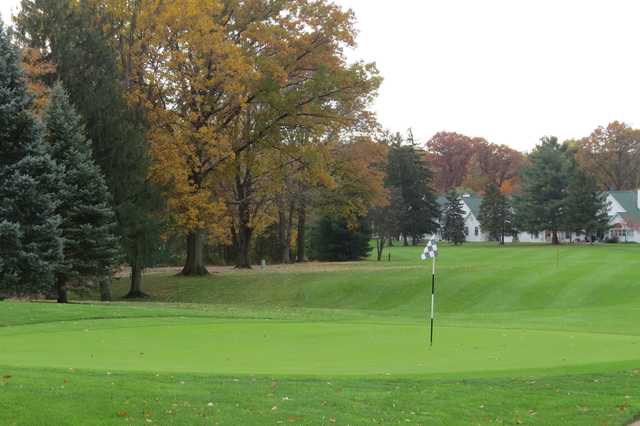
x,y
295,348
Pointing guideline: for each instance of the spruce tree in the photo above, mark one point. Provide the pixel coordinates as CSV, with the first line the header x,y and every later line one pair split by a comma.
x,y
495,213
585,205
72,35
332,239
30,243
88,221
408,172
453,230
542,203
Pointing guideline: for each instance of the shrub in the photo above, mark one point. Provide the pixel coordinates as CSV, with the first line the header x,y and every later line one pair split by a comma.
x,y
333,240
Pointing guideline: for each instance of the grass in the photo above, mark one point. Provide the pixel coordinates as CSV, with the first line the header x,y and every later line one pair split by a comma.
x,y
525,335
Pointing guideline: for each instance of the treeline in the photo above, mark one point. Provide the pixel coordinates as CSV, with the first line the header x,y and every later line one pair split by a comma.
x,y
555,193
235,131
227,132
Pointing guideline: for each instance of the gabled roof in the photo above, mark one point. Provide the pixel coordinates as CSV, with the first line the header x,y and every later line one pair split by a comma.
x,y
473,202
629,201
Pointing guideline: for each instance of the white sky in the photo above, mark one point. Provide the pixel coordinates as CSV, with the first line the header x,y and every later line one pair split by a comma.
x,y
509,71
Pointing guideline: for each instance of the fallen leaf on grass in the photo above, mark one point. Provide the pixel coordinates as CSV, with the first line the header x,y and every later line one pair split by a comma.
x,y
7,376
122,414
623,407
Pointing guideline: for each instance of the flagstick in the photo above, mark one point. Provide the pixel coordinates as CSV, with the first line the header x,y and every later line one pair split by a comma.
x,y
433,296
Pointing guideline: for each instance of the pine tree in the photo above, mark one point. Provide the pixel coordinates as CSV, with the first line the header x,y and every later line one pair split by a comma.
x,y
30,243
71,35
542,204
332,239
408,172
88,221
453,230
495,213
585,205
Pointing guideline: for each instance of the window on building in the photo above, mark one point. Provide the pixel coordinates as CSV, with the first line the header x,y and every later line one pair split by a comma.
x,y
536,235
476,231
466,230
567,235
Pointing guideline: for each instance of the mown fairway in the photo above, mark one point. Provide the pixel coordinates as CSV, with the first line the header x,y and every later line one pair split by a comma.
x,y
525,335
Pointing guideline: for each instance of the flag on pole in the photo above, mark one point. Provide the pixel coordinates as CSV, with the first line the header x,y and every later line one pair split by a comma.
x,y
431,252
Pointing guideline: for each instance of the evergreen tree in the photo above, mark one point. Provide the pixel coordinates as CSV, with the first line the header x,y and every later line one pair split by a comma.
x,y
30,243
586,205
88,221
71,35
453,229
542,203
333,240
408,172
495,213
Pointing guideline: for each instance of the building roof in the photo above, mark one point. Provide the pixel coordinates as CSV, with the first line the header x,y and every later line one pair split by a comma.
x,y
629,201
473,202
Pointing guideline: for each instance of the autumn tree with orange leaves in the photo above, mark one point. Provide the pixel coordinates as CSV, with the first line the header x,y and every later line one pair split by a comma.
x,y
493,164
217,78
449,155
612,155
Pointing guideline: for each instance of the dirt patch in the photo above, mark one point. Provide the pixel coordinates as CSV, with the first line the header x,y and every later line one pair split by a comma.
x,y
308,267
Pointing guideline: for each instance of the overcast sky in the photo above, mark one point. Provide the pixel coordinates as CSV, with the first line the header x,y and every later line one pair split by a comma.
x,y
509,71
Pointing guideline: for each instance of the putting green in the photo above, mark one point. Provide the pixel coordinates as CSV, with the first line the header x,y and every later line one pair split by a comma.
x,y
275,347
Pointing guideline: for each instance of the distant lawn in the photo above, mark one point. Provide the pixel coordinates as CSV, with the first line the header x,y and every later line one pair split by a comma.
x,y
525,335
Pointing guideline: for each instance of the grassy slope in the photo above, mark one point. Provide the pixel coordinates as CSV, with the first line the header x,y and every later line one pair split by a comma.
x,y
590,289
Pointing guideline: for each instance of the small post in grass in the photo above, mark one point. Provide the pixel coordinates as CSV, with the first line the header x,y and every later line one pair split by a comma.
x,y
430,252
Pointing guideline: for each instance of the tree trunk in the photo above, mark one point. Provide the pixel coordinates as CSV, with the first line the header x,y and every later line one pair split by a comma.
x,y
61,290
300,240
105,289
137,266
286,249
554,239
405,242
380,247
244,245
283,240
194,265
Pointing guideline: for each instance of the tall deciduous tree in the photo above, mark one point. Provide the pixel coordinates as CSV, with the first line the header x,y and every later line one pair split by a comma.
x,y
495,213
453,219
219,77
30,242
387,221
449,155
612,155
542,204
493,164
88,221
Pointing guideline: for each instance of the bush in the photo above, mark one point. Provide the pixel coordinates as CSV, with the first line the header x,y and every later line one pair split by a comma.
x,y
612,240
333,240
